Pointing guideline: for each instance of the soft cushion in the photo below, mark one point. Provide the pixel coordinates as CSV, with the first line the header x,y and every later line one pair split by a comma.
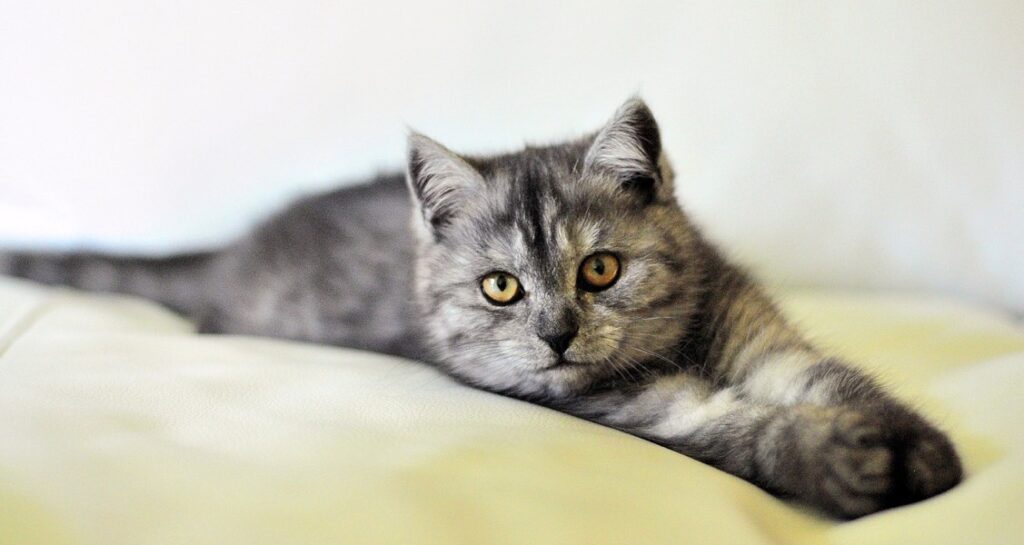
x,y
119,425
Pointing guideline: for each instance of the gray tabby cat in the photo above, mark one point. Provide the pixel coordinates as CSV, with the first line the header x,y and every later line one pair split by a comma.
x,y
568,276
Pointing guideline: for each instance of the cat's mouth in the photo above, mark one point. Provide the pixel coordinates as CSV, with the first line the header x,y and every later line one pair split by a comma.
x,y
563,363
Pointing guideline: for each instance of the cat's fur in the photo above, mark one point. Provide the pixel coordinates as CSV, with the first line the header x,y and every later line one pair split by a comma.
x,y
684,349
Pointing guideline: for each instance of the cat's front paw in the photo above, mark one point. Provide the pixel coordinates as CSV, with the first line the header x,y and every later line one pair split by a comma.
x,y
876,457
927,463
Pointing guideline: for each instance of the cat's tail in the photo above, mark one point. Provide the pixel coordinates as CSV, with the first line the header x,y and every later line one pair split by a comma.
x,y
178,281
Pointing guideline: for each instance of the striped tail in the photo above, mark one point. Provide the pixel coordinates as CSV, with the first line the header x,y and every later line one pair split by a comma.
x,y
179,281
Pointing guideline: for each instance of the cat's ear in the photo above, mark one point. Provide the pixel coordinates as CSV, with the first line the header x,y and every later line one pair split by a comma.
x,y
440,181
628,152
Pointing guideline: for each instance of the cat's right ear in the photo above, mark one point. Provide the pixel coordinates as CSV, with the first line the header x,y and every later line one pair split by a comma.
x,y
440,181
628,152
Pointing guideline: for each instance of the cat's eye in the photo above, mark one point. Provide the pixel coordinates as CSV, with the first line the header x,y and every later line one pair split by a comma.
x,y
501,288
598,272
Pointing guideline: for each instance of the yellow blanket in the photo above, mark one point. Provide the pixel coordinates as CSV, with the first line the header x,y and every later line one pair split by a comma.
x,y
118,425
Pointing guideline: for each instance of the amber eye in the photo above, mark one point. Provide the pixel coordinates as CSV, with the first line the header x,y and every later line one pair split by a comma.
x,y
598,272
501,288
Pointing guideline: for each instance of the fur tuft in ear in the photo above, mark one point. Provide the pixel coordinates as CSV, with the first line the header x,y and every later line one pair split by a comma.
x,y
629,148
440,180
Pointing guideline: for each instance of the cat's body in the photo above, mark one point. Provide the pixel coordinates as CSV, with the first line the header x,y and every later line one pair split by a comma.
x,y
332,268
566,275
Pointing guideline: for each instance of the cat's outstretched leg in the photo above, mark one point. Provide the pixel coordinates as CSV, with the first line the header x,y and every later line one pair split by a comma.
x,y
844,443
854,448
848,460
857,459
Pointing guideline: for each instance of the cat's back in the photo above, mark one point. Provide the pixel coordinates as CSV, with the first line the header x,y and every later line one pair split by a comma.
x,y
346,223
382,204
332,268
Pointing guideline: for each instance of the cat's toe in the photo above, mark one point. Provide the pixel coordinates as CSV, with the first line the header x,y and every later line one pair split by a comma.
x,y
858,467
877,460
928,464
855,460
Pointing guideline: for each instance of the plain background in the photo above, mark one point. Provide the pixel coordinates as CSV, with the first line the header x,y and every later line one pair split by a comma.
x,y
843,144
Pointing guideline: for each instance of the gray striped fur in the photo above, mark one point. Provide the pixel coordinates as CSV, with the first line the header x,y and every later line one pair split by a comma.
x,y
684,349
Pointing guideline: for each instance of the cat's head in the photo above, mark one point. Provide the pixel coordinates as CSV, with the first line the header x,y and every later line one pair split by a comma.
x,y
542,271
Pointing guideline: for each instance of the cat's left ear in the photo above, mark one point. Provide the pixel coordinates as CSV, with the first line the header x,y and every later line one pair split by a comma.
x,y
441,181
628,152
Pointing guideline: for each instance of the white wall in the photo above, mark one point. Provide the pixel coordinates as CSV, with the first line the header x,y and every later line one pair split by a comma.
x,y
842,143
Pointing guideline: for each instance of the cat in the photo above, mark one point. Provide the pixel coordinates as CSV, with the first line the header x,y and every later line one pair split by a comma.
x,y
567,275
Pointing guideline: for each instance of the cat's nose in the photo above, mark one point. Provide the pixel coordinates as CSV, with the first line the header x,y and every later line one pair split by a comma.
x,y
559,342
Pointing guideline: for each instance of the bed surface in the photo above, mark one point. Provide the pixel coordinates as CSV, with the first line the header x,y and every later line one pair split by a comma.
x,y
119,425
